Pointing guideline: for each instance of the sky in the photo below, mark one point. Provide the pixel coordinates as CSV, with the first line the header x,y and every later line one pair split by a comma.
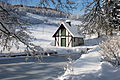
x,y
36,3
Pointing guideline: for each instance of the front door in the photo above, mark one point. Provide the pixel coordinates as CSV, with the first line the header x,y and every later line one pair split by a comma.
x,y
63,42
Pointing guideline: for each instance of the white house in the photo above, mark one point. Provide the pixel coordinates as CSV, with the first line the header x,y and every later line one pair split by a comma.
x,y
67,35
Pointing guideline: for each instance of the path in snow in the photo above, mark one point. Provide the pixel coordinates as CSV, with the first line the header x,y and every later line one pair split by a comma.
x,y
85,67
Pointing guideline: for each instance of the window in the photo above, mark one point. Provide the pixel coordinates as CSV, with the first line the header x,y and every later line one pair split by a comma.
x,y
63,32
63,42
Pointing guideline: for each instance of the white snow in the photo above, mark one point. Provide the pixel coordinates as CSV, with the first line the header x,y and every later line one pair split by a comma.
x,y
74,30
89,67
87,64
43,34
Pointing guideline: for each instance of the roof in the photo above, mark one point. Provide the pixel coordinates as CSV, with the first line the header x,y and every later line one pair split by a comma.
x,y
73,30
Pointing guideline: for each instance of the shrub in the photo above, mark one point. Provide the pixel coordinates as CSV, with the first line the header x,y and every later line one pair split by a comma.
x,y
110,50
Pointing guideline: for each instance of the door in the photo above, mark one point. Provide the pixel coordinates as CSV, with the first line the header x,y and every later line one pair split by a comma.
x,y
63,42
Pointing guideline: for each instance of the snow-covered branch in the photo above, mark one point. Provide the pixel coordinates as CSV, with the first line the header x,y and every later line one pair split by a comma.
x,y
100,17
110,50
12,35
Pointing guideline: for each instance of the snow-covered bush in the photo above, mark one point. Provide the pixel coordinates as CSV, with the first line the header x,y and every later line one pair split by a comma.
x,y
110,50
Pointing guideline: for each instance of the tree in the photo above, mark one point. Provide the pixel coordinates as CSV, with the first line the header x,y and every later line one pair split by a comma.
x,y
12,33
110,50
59,5
100,16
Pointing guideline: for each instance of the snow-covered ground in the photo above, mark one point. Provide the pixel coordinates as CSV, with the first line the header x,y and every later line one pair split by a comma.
x,y
43,33
18,69
87,67
90,67
83,68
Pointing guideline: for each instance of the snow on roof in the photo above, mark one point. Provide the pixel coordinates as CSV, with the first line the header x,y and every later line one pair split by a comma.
x,y
73,30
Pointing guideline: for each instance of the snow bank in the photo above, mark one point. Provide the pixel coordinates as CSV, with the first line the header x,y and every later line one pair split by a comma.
x,y
89,67
109,72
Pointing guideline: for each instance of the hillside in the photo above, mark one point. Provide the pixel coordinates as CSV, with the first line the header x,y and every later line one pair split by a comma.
x,y
40,11
35,10
42,27
22,12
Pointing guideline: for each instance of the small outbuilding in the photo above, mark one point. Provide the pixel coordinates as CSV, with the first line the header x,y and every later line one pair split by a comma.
x,y
67,35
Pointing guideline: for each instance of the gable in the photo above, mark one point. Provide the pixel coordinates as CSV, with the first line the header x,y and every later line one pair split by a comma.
x,y
73,30
61,27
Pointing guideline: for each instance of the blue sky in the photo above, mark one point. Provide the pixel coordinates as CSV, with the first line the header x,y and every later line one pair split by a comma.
x,y
36,2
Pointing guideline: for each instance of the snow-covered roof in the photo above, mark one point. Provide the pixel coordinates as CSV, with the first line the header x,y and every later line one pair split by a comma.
x,y
72,29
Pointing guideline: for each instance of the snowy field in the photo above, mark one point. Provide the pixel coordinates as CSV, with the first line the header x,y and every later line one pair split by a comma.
x,y
43,33
87,67
15,68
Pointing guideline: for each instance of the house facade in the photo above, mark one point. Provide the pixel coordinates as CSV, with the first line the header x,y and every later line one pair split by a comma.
x,y
67,36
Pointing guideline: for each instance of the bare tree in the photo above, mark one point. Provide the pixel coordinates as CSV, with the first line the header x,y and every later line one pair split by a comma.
x,y
110,50
61,5
12,33
11,30
100,16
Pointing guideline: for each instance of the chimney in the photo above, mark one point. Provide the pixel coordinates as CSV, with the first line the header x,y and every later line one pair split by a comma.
x,y
68,22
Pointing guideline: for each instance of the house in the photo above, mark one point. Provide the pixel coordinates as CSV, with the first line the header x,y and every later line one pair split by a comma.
x,y
67,35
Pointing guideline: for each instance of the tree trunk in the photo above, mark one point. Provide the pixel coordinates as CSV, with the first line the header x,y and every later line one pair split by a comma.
x,y
98,33
106,32
111,33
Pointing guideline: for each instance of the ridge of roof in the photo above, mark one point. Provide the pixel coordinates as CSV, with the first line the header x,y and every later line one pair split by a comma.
x,y
72,29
